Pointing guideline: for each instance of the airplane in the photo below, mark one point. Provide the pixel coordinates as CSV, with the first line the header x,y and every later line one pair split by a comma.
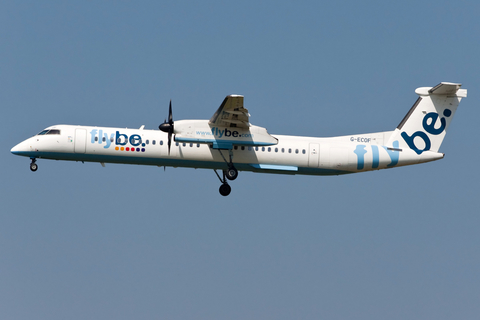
x,y
228,142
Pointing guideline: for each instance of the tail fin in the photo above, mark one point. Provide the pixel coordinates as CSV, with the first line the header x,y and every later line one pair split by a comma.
x,y
426,124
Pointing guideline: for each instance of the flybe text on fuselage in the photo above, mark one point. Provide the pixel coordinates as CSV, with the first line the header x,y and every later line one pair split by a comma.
x,y
119,139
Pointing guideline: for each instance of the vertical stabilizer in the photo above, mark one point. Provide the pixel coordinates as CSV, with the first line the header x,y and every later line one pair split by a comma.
x,y
426,124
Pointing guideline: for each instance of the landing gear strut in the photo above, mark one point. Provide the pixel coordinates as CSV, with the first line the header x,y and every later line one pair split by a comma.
x,y
33,165
232,172
225,188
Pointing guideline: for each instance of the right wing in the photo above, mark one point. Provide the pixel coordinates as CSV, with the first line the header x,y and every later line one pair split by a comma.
x,y
231,113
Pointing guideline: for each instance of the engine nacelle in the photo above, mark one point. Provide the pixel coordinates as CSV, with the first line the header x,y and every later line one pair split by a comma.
x,y
200,131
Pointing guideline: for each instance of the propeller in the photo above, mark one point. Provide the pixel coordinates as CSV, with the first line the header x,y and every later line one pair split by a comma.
x,y
168,126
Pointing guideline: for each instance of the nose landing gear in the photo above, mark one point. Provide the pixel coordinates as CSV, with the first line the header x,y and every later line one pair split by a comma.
x,y
33,165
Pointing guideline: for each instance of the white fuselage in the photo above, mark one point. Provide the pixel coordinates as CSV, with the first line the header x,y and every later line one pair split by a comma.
x,y
290,155
229,142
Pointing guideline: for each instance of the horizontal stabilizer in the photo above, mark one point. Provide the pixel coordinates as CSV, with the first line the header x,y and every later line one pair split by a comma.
x,y
444,88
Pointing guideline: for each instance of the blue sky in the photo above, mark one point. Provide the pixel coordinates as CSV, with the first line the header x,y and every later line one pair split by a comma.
x,y
81,241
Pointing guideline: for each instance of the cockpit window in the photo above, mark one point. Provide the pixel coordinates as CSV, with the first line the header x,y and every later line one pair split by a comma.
x,y
51,131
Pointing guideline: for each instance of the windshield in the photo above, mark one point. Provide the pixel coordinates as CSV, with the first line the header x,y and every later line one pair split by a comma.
x,y
51,131
42,133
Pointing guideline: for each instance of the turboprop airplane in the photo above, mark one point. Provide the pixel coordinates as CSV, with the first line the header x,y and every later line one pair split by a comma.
x,y
228,142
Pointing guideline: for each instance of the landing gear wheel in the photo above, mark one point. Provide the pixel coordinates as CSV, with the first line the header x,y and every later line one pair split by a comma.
x,y
231,173
33,166
225,189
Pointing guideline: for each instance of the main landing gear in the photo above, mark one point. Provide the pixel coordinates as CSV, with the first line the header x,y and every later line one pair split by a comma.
x,y
225,188
231,174
33,165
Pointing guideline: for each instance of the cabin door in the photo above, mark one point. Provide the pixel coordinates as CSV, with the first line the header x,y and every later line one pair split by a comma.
x,y
80,140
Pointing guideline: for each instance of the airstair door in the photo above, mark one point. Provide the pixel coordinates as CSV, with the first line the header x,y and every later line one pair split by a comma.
x,y
80,140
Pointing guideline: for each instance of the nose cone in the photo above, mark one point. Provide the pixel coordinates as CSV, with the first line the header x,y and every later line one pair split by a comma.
x,y
22,149
16,149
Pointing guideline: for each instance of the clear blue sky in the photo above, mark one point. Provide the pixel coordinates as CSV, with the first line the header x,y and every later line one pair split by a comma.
x,y
78,241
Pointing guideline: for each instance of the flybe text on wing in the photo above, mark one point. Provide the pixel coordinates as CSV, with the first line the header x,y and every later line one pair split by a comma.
x,y
225,132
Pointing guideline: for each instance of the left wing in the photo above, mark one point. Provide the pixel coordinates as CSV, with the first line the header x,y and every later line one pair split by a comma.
x,y
231,113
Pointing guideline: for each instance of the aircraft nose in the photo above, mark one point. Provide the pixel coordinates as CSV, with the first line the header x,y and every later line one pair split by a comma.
x,y
16,149
21,149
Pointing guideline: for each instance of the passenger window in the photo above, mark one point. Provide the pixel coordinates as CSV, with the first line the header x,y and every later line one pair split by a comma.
x,y
111,139
276,149
235,147
103,139
147,142
184,144
250,148
269,149
191,145
303,151
289,150
296,151
176,143
243,148
198,145
256,148
96,138
263,148
283,150
161,142
153,142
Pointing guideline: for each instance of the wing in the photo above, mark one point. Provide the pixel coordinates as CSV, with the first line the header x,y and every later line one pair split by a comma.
x,y
231,113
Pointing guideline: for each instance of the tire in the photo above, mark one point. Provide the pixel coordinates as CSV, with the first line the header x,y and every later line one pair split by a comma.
x,y
231,173
33,167
225,189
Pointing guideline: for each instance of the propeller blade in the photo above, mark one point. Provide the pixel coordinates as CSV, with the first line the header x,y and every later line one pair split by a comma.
x,y
169,141
168,126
